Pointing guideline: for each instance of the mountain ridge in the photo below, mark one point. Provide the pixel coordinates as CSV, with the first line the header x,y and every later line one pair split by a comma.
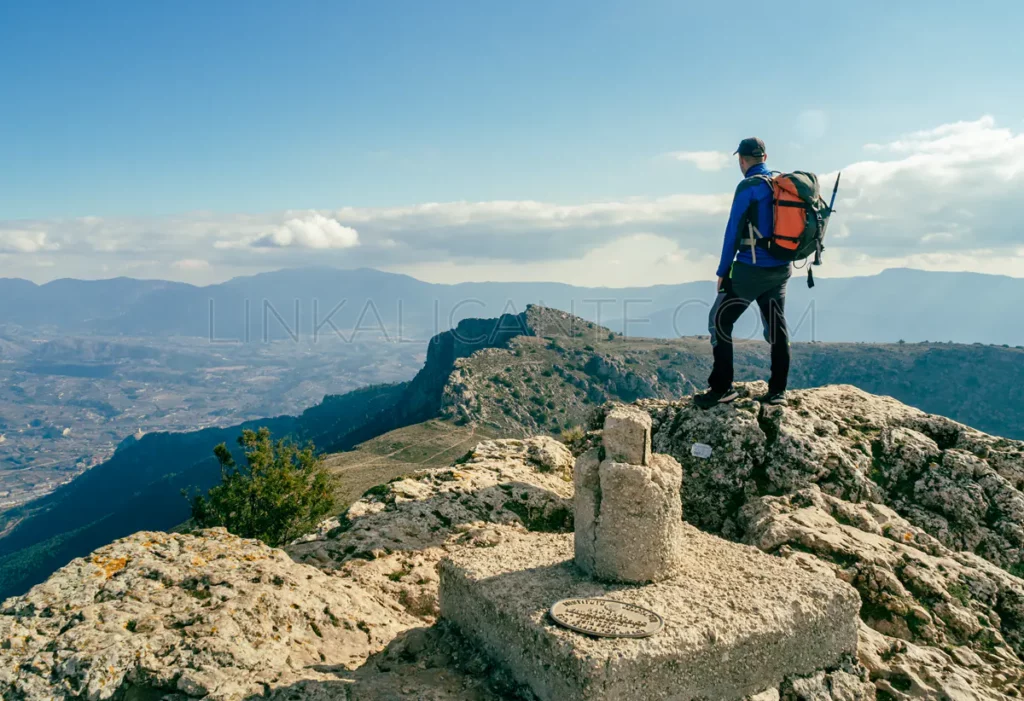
x,y
896,304
540,371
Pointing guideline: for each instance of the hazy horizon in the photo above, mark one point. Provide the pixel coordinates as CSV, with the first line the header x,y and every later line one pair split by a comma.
x,y
819,272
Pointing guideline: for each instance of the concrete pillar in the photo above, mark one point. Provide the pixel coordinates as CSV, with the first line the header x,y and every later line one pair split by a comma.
x,y
628,512
627,436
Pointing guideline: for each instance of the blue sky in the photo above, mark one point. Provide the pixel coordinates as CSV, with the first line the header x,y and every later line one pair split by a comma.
x,y
136,111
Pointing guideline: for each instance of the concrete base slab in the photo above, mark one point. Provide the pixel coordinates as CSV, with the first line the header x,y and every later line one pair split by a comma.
x,y
737,621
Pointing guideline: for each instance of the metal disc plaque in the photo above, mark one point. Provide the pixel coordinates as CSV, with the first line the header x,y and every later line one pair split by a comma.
x,y
605,618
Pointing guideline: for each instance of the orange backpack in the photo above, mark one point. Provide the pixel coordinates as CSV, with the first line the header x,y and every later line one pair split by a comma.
x,y
800,216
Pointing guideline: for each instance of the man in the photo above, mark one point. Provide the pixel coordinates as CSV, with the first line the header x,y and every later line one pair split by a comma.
x,y
754,276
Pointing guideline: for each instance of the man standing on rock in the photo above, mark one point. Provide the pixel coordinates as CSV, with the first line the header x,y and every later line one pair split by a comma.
x,y
749,274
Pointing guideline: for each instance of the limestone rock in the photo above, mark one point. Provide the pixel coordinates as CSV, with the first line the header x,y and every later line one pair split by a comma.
x,y
961,486
839,685
550,456
769,695
628,519
391,540
918,596
211,616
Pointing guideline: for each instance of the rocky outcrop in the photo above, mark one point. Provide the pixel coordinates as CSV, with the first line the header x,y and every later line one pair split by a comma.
x,y
934,621
422,397
619,380
209,616
919,514
960,485
391,540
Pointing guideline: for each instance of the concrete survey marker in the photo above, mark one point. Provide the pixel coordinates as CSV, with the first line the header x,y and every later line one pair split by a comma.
x,y
605,618
733,621
737,621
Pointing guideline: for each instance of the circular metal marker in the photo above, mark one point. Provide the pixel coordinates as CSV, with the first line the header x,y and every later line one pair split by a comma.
x,y
605,618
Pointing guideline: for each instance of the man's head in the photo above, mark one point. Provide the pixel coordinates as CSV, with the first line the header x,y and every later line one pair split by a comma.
x,y
751,152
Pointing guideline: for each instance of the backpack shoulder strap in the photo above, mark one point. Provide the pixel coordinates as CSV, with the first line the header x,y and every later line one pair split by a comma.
x,y
750,180
755,238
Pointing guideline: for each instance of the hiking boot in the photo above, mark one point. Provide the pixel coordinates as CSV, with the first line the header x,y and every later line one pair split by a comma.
x,y
712,398
774,398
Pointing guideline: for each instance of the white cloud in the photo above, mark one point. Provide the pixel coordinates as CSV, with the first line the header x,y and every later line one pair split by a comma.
x,y
25,241
704,160
311,231
946,189
513,216
952,137
946,196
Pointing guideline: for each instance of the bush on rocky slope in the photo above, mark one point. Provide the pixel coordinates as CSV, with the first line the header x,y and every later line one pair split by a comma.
x,y
281,493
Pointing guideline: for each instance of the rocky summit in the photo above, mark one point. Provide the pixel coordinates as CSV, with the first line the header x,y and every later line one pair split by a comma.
x,y
698,618
920,517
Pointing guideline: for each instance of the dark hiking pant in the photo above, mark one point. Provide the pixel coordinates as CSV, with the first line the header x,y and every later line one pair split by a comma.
x,y
746,284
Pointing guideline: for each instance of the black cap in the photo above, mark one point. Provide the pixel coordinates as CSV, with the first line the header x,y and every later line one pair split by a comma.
x,y
751,147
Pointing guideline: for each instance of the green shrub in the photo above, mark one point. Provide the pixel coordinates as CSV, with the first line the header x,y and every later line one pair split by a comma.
x,y
575,439
282,492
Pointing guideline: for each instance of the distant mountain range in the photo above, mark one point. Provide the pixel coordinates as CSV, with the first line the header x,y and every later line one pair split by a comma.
x,y
897,304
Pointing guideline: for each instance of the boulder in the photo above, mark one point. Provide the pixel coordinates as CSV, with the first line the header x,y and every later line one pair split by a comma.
x,y
391,540
210,616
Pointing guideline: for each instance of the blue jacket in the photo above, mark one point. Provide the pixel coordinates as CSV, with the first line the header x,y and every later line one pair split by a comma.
x,y
749,190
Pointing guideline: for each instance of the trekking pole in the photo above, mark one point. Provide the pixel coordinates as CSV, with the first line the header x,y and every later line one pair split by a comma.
x,y
831,209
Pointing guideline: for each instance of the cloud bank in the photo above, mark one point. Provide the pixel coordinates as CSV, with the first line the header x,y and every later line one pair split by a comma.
x,y
942,198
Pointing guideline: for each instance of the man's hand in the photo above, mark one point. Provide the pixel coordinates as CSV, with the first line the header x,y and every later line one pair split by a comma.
x,y
721,284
